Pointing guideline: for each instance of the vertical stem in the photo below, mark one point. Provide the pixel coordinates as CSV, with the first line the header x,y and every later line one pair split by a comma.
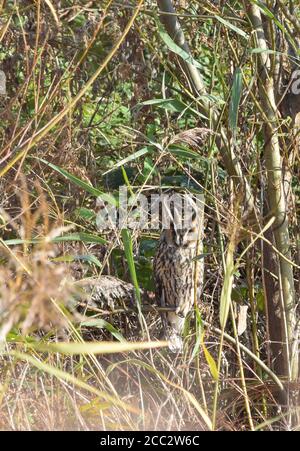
x,y
231,162
275,198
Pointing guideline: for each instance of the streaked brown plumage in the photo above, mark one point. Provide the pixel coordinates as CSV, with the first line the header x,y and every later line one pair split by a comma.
x,y
174,273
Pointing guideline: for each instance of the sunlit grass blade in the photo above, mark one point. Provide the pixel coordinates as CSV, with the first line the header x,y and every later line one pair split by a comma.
x,y
104,347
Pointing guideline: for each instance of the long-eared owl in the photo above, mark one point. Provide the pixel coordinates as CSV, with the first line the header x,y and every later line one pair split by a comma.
x,y
177,273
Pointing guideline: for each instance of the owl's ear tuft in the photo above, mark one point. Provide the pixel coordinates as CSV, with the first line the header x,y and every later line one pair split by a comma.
x,y
194,215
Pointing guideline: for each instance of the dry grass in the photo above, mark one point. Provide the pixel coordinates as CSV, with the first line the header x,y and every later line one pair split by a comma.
x,y
48,390
79,81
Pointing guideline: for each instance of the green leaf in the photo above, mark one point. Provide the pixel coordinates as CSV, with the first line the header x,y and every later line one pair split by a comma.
x,y
239,294
236,92
80,236
132,157
261,50
265,10
232,27
175,48
77,181
184,153
148,170
85,213
71,258
102,324
260,300
86,186
128,248
172,105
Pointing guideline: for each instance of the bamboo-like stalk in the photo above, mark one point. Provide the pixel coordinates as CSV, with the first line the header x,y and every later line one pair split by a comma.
x,y
170,20
276,201
275,197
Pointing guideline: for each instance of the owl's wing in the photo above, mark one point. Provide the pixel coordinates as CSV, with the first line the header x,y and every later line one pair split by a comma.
x,y
159,284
